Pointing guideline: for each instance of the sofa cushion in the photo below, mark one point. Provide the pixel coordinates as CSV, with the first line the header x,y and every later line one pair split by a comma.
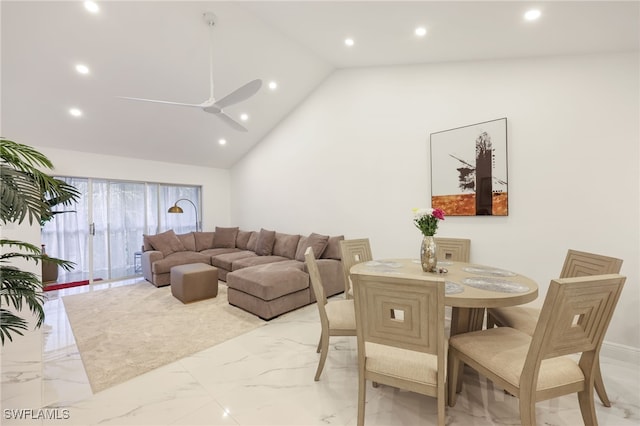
x,y
253,241
266,239
179,258
204,240
225,237
218,251
167,242
333,248
286,245
188,241
256,260
270,281
242,239
225,260
316,241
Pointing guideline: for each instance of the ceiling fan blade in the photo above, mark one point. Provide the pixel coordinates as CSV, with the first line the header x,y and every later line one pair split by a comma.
x,y
231,122
239,95
160,102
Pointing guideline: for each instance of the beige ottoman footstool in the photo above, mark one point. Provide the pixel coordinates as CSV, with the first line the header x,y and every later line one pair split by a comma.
x,y
196,281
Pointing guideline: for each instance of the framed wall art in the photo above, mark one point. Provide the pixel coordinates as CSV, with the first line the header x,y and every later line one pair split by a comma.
x,y
469,170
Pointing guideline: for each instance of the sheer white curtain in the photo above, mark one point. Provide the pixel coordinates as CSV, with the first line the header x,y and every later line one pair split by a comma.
x,y
126,225
66,235
186,221
100,220
120,213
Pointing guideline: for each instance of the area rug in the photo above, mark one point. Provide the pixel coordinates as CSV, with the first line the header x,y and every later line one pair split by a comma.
x,y
127,331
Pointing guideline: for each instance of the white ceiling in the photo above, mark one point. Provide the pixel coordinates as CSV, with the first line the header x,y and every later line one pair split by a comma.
x,y
159,50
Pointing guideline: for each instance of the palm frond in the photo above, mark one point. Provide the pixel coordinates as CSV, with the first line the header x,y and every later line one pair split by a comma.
x,y
21,196
11,323
26,192
33,254
20,288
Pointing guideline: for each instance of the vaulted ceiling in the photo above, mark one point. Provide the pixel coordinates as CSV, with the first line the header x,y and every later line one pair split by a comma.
x,y
160,50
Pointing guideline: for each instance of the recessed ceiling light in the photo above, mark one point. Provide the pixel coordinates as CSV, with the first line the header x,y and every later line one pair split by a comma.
x,y
222,141
82,69
349,42
273,85
421,31
91,6
75,112
244,117
532,15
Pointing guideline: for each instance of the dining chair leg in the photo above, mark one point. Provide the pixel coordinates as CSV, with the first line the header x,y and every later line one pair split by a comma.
x,y
452,379
527,411
441,401
587,407
319,344
362,393
599,385
324,340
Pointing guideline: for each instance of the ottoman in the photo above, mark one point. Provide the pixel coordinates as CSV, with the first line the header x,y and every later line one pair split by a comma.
x,y
195,281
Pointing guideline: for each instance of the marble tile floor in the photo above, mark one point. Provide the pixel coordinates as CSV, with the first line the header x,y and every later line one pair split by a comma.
x,y
265,377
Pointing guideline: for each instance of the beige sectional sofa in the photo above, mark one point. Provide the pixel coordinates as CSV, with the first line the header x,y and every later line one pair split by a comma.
x,y
264,270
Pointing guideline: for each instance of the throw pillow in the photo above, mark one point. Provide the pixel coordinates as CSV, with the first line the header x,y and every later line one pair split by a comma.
x,y
316,241
146,245
166,242
188,241
243,239
333,248
204,240
225,237
266,239
286,245
253,241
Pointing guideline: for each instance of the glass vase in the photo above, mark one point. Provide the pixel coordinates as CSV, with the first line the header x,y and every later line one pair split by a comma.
x,y
428,257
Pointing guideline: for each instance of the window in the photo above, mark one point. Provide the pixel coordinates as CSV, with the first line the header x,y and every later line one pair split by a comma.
x,y
102,232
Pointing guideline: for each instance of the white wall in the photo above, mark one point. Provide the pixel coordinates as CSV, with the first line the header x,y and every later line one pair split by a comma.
x,y
214,182
354,159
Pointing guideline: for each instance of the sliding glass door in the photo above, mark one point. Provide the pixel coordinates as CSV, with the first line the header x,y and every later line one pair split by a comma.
x,y
102,233
126,224
65,236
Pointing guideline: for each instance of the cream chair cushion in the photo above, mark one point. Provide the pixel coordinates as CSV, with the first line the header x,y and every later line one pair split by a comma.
x,y
341,314
401,363
504,350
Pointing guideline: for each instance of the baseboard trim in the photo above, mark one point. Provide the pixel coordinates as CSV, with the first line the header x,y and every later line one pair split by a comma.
x,y
620,352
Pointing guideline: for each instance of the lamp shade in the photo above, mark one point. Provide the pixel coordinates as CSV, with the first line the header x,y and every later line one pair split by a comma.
x,y
176,209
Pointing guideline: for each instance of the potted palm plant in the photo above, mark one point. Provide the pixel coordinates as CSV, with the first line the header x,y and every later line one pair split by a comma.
x,y
25,192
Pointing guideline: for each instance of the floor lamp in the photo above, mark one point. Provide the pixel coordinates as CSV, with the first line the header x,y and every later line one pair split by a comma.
x,y
177,209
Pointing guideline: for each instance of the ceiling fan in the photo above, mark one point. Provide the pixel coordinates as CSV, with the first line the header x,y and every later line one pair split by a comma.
x,y
212,105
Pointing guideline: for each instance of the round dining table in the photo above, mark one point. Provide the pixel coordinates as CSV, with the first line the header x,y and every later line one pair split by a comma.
x,y
469,288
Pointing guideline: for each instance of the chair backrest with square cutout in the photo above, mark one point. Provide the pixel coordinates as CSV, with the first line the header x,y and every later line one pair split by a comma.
x,y
573,319
580,264
401,312
353,252
453,249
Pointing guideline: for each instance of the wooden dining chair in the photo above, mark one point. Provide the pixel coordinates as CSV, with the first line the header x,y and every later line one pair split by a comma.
x,y
353,252
453,249
523,318
573,320
400,329
337,317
